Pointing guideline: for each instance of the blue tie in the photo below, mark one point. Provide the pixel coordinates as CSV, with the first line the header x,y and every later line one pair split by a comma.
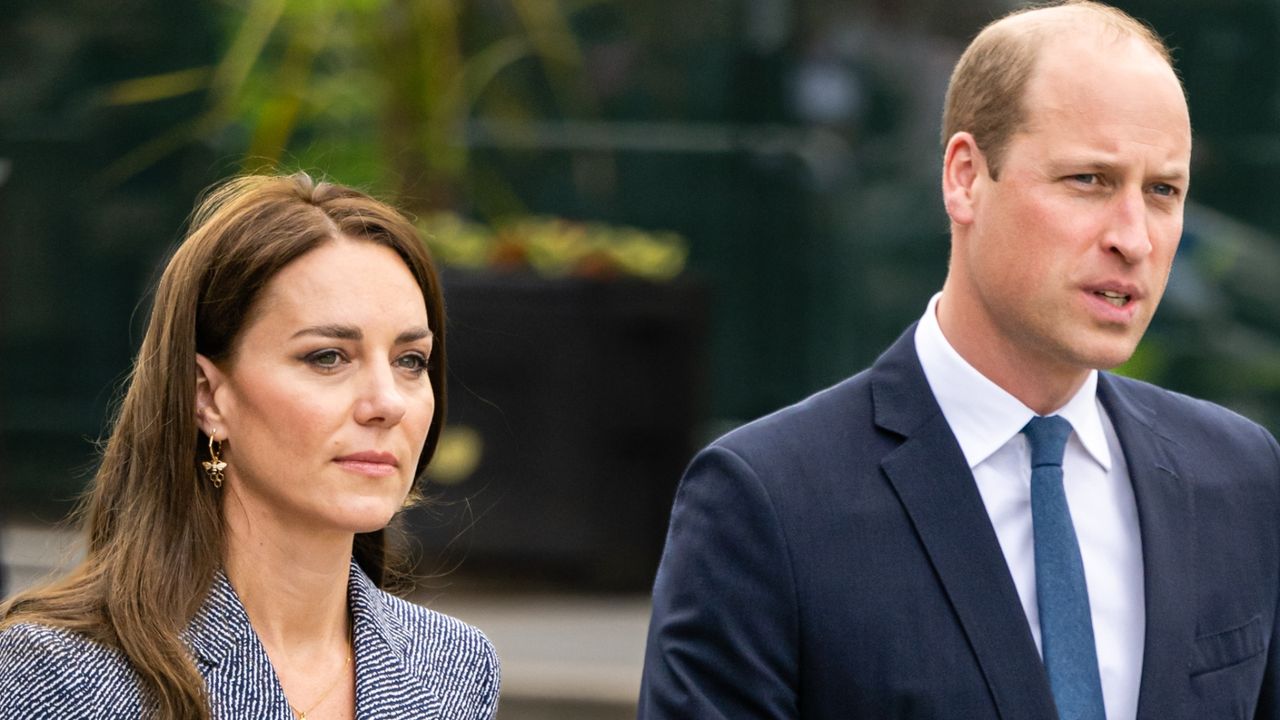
x,y
1066,630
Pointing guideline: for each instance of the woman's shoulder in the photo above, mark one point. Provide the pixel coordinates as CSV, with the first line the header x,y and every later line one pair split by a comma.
x,y
47,671
458,660
436,631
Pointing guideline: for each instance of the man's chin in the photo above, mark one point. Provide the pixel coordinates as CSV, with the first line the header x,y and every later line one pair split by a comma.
x,y
1117,358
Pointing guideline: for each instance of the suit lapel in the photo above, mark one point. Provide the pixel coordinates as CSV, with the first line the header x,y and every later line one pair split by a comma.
x,y
1167,528
932,480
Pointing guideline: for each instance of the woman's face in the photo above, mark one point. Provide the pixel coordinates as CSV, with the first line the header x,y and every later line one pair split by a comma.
x,y
325,400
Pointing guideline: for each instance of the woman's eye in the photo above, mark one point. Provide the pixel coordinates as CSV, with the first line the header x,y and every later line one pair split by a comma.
x,y
325,359
415,362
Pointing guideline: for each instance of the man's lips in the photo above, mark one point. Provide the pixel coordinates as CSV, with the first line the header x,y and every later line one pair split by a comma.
x,y
1117,295
370,462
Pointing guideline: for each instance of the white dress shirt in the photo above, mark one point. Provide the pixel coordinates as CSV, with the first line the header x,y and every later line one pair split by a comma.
x,y
987,422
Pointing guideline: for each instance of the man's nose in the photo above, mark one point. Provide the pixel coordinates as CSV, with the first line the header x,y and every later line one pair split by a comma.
x,y
1128,231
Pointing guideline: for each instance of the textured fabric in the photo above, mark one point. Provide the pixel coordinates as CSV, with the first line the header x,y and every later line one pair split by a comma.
x,y
987,422
410,662
1066,630
834,561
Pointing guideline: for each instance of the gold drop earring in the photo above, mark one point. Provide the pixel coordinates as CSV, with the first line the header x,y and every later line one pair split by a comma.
x,y
214,466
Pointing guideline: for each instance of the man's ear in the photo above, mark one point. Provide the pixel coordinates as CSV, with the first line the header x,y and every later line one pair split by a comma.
x,y
208,416
963,164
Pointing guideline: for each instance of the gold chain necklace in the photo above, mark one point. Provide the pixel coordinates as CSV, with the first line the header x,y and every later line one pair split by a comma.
x,y
302,714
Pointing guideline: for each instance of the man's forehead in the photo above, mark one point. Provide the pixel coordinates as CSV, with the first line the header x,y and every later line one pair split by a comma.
x,y
1071,29
1085,64
1063,20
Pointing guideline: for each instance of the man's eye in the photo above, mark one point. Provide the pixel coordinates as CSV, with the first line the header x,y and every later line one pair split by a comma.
x,y
1085,178
1164,189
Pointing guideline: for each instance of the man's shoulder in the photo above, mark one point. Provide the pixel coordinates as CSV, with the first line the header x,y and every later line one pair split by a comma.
x,y
839,409
829,436
893,389
1171,406
1181,417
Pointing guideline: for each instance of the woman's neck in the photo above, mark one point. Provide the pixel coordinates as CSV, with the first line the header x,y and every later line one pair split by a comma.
x,y
293,585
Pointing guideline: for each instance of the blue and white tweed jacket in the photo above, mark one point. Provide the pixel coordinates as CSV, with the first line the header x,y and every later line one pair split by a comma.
x,y
411,663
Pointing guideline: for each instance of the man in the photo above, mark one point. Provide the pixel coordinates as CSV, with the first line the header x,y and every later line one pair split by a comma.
x,y
982,525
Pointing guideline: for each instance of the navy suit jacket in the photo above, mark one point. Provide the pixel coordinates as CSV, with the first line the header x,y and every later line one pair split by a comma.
x,y
411,662
835,560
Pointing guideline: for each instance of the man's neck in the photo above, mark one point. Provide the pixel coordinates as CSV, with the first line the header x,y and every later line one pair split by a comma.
x,y
1039,381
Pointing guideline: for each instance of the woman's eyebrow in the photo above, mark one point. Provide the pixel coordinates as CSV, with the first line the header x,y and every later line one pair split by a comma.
x,y
350,332
419,333
340,332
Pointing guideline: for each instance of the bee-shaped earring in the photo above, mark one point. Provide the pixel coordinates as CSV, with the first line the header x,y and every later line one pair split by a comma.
x,y
214,466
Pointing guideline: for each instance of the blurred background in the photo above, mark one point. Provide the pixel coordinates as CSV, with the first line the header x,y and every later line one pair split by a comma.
x,y
658,219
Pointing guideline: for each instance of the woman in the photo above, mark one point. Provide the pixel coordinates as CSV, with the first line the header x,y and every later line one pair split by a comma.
x,y
285,400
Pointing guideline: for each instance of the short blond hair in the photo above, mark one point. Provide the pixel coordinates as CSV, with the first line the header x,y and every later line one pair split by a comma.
x,y
987,88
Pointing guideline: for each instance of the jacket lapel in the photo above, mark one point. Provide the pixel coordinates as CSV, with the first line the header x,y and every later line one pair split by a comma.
x,y
242,682
932,480
237,672
1167,528
385,685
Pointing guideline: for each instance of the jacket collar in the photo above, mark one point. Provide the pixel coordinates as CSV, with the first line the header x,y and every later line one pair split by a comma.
x,y
220,630
222,624
239,674
385,671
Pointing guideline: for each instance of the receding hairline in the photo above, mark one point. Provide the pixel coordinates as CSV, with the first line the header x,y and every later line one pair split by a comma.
x,y
987,93
1080,27
1102,22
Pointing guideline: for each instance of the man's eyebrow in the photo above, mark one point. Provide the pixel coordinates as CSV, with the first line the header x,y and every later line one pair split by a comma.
x,y
1176,174
339,332
1084,163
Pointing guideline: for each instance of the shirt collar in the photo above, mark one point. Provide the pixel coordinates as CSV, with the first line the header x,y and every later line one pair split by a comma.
x,y
982,415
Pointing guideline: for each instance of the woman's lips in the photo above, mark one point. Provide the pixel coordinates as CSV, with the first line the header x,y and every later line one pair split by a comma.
x,y
371,463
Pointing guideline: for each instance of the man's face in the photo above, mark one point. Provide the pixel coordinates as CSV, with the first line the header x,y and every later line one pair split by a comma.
x,y
1067,254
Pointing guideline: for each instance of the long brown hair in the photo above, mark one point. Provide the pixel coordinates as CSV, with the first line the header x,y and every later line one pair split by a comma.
x,y
154,525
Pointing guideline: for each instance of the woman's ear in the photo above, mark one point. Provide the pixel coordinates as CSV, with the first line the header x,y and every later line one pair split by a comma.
x,y
208,416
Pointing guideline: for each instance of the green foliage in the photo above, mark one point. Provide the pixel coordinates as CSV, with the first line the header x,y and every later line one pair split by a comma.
x,y
375,92
553,247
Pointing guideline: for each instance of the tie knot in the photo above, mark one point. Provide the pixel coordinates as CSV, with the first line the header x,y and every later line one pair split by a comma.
x,y
1047,437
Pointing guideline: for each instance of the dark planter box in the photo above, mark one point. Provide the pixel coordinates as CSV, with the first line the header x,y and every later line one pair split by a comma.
x,y
584,396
